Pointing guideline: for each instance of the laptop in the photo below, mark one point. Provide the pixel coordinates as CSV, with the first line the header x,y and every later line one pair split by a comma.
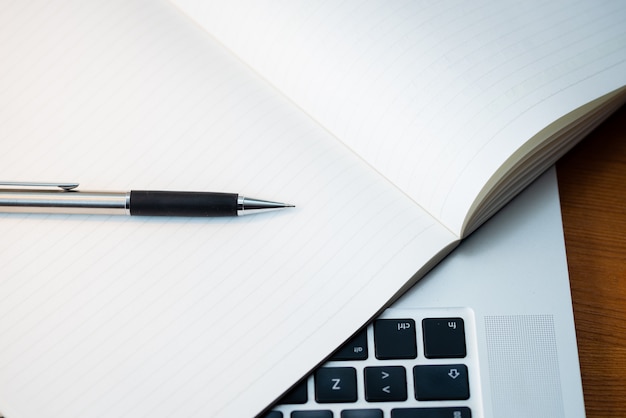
x,y
488,333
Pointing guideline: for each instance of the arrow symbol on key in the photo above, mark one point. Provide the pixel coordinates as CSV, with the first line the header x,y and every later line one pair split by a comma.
x,y
385,375
454,373
387,389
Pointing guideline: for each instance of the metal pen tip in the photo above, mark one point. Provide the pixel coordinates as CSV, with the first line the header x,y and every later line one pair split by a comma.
x,y
248,205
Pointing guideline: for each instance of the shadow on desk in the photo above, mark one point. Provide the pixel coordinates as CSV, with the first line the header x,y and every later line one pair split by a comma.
x,y
592,185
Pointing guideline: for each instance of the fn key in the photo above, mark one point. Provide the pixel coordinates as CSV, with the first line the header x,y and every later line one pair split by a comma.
x,y
444,337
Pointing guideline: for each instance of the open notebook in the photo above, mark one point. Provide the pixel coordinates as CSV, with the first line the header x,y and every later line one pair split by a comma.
x,y
509,283
391,128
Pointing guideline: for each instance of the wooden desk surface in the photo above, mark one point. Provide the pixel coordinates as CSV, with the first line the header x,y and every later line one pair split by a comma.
x,y
592,183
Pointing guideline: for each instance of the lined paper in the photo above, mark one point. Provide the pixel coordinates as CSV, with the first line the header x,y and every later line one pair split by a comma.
x,y
435,95
352,111
126,317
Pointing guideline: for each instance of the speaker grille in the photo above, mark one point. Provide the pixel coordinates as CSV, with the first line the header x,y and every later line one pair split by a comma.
x,y
523,366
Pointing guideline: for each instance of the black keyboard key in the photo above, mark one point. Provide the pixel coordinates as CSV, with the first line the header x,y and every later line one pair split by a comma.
x,y
461,412
354,349
273,414
362,413
335,384
297,395
312,414
441,382
395,339
385,384
444,338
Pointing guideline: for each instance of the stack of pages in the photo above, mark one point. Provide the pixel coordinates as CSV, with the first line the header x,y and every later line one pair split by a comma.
x,y
396,128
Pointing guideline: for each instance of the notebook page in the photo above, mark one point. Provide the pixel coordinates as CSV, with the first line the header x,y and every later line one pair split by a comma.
x,y
135,317
435,95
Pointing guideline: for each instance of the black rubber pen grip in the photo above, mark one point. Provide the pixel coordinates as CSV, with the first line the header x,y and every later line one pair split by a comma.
x,y
163,203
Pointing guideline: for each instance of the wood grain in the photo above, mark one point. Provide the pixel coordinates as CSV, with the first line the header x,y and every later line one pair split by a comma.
x,y
592,184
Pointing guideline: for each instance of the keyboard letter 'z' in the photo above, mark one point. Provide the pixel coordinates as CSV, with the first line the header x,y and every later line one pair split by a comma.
x,y
335,384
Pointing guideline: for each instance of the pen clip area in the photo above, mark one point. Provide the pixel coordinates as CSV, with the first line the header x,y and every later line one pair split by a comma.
x,y
40,185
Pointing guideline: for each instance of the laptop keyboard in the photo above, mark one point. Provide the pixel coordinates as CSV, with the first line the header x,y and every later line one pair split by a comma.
x,y
407,363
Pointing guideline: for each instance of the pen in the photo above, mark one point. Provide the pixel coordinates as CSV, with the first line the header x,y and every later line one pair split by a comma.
x,y
32,197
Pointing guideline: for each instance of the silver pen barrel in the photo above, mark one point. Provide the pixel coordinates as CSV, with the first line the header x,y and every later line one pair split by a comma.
x,y
64,201
47,197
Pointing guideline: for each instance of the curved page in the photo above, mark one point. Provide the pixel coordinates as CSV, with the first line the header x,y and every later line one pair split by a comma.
x,y
435,95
